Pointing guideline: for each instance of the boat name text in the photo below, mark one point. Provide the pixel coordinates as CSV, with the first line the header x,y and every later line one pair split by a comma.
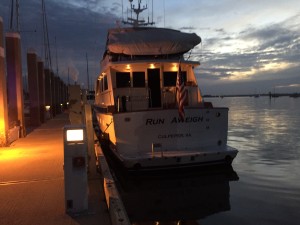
x,y
189,119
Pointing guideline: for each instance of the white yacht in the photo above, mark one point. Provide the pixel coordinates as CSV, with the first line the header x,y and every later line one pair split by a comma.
x,y
148,104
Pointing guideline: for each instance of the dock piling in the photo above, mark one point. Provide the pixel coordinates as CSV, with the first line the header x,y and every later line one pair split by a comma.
x,y
3,93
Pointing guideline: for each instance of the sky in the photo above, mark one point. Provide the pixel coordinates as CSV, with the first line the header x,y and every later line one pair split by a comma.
x,y
247,46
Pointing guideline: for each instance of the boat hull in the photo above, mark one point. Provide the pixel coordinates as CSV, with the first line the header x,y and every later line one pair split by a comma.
x,y
159,139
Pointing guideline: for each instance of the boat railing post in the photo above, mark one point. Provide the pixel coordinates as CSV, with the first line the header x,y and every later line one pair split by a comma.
x,y
164,103
158,147
130,98
110,96
118,103
152,150
150,97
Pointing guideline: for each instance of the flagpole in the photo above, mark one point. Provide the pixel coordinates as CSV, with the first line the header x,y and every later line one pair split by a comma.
x,y
179,64
182,94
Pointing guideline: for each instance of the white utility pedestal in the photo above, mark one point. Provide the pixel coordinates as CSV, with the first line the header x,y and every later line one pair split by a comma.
x,y
75,168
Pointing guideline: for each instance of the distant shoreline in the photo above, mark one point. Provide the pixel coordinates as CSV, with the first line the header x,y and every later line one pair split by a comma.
x,y
271,95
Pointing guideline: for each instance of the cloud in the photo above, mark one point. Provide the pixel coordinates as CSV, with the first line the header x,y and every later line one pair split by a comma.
x,y
77,27
255,53
187,28
288,86
233,49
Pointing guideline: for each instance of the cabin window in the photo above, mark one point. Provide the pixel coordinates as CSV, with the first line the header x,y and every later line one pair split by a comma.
x,y
101,85
123,79
98,87
170,78
105,85
138,79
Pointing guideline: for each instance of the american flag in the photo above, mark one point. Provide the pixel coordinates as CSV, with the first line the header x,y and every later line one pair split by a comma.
x,y
181,93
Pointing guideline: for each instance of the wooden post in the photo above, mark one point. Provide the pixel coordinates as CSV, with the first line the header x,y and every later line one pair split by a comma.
x,y
48,93
41,76
4,126
53,100
33,88
14,81
56,95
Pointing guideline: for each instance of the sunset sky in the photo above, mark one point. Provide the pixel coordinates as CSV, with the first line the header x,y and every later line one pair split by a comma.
x,y
247,46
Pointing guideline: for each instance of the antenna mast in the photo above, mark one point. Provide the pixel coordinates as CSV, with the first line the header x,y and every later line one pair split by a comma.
x,y
137,10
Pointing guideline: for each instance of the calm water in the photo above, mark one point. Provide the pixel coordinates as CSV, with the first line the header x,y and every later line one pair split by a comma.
x,y
263,188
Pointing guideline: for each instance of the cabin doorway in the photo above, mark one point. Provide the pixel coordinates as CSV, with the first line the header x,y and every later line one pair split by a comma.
x,y
154,88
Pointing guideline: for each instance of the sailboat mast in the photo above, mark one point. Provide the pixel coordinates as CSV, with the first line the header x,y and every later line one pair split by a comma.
x,y
56,57
14,14
46,37
68,76
87,73
11,15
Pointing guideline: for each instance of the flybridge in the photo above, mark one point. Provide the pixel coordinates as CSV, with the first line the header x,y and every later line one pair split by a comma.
x,y
146,43
150,41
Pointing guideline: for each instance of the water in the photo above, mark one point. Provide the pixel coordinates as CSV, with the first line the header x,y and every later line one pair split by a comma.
x,y
267,134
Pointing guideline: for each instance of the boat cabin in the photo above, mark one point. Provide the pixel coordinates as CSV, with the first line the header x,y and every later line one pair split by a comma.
x,y
140,86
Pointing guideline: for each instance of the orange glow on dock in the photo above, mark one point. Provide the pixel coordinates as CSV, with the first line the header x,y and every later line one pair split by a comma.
x,y
8,154
1,125
3,134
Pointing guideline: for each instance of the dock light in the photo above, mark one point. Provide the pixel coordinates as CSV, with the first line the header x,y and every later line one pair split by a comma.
x,y
47,107
74,135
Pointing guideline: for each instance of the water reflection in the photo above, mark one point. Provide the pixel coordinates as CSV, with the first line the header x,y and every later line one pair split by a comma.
x,y
264,130
176,198
266,133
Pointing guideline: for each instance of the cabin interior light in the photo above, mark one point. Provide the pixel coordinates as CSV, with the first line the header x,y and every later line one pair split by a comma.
x,y
127,67
102,75
152,66
175,67
74,135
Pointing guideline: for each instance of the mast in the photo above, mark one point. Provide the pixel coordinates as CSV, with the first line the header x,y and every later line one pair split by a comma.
x,y
137,10
87,73
46,38
68,76
14,14
56,57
